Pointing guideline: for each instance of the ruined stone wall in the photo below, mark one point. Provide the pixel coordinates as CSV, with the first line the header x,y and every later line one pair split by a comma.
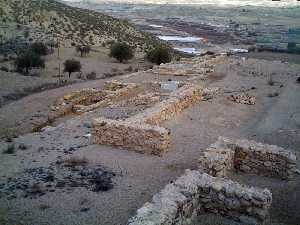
x,y
113,90
139,137
196,193
248,156
197,66
142,132
179,100
65,104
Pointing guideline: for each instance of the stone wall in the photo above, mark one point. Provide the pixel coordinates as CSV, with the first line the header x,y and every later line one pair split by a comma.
x,y
140,137
248,156
142,132
179,100
196,193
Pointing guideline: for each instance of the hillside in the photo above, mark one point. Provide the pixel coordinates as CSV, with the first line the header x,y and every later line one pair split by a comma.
x,y
51,20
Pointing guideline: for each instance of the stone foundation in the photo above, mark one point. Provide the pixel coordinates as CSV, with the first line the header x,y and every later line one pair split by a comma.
x,y
248,156
142,132
113,90
88,99
140,137
196,193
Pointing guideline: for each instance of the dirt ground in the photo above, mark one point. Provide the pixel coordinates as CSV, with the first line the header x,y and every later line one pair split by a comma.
x,y
14,85
274,119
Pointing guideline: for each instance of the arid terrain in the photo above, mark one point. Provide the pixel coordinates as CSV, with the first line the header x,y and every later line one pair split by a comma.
x,y
273,119
110,147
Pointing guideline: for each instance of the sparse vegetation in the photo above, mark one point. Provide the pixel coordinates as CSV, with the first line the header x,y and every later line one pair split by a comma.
x,y
71,66
159,55
121,52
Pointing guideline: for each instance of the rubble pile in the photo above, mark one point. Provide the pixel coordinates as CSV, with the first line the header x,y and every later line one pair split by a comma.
x,y
243,99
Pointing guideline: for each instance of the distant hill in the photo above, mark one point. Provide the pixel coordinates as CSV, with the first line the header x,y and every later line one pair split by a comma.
x,y
50,20
216,3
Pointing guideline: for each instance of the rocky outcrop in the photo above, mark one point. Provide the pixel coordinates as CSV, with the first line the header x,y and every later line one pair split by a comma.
x,y
196,193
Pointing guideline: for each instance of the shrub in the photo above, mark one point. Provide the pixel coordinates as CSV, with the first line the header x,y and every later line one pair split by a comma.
x,y
129,69
159,55
270,80
27,61
291,45
293,48
84,50
91,76
4,68
10,149
72,65
121,52
39,48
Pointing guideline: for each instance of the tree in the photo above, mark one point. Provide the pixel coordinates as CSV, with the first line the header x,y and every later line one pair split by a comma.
x,y
84,50
72,65
28,60
159,55
39,48
121,52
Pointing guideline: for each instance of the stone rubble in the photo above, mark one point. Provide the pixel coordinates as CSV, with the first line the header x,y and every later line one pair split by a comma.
x,y
243,99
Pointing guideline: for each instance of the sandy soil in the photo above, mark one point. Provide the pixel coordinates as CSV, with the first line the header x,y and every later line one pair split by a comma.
x,y
272,120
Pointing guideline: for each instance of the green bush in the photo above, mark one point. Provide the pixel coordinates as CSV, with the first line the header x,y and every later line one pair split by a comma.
x,y
121,52
39,48
159,55
72,65
29,60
